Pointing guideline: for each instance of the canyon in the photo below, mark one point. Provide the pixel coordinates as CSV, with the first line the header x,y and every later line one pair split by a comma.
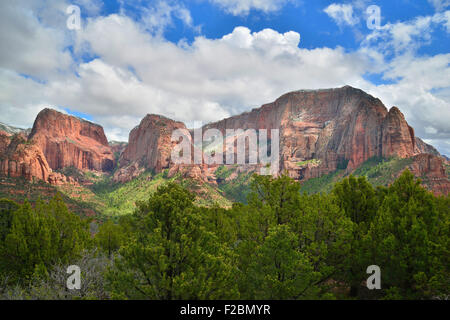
x,y
320,131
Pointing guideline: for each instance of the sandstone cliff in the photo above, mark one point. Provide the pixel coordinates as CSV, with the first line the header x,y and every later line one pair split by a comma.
x,y
422,147
320,131
430,168
149,147
69,141
19,158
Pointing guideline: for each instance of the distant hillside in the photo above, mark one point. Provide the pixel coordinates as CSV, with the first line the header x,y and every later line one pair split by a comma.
x,y
13,130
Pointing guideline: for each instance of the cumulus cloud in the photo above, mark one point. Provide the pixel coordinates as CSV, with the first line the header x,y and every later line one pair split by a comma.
x,y
29,46
398,38
207,80
440,5
342,14
243,7
160,15
134,72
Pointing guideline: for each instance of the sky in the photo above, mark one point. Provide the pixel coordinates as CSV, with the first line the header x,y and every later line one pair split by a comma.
x,y
205,60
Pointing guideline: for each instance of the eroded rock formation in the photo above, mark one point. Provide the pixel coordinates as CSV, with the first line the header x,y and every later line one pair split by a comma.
x,y
69,141
149,147
320,131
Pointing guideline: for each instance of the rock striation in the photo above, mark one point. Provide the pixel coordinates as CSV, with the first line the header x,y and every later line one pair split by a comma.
x,y
320,131
69,141
149,147
56,141
21,159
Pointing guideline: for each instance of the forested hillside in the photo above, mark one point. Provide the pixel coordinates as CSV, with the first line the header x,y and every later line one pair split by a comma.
x,y
282,244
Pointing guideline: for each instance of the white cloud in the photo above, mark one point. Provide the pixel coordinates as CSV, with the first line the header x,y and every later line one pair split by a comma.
x,y
400,37
29,46
92,7
420,84
158,17
342,14
440,5
207,80
136,72
243,7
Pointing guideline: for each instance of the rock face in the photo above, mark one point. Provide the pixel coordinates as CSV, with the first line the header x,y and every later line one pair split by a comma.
x,y
117,147
422,147
320,131
22,159
398,137
430,168
5,140
323,130
149,147
55,142
69,141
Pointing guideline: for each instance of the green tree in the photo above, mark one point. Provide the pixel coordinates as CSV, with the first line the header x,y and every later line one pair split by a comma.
x,y
321,229
358,199
172,255
110,237
7,208
281,195
360,202
279,270
41,237
324,235
408,240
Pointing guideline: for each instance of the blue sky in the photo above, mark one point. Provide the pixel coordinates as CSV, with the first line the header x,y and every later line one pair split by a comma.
x,y
203,60
305,17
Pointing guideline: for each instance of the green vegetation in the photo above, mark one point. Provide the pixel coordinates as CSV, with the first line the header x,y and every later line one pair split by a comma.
x,y
382,172
235,189
306,162
282,244
120,199
322,184
378,171
77,198
39,237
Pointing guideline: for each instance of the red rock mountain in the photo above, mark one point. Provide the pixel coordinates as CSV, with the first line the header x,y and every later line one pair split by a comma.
x,y
69,141
55,142
341,127
149,147
21,159
431,167
320,131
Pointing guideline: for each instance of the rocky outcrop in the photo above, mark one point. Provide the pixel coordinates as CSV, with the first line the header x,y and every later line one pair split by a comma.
x,y
5,139
23,159
117,147
55,142
149,147
398,137
14,130
430,169
422,147
69,141
320,131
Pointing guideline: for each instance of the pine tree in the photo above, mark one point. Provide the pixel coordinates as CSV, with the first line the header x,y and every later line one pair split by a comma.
x,y
40,237
110,237
279,270
172,255
408,240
